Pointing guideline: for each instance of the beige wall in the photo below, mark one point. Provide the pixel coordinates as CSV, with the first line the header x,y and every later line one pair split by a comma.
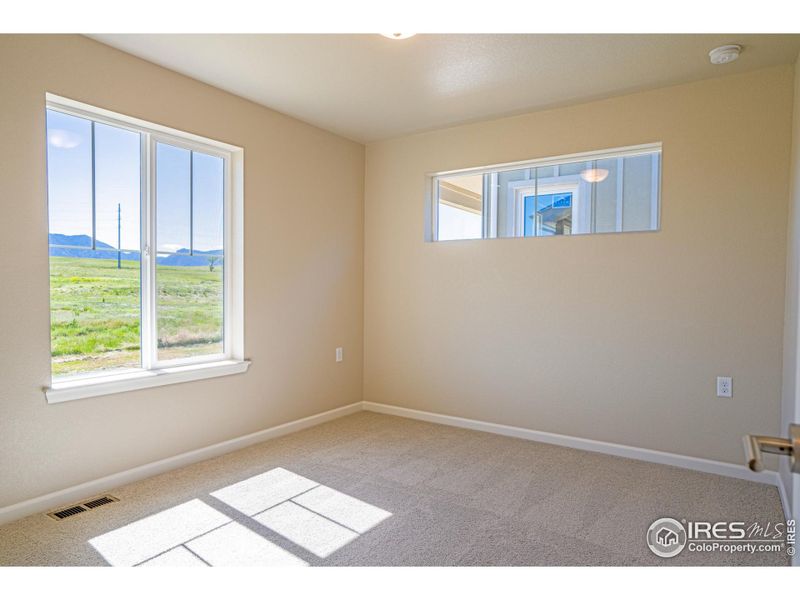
x,y
790,407
303,272
610,337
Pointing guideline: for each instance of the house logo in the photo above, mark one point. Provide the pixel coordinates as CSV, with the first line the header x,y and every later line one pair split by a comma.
x,y
666,537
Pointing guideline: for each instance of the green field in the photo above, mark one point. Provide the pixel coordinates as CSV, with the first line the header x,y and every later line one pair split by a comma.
x,y
95,312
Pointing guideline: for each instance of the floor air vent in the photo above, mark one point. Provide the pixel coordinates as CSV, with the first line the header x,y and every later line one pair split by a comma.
x,y
99,502
64,513
67,512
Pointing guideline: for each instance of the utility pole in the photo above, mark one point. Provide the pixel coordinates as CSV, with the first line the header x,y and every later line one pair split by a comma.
x,y
119,235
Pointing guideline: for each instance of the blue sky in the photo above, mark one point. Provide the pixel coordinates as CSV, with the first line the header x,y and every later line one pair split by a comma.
x,y
117,169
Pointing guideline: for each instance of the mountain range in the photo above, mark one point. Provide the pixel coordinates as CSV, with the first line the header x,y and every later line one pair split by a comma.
x,y
80,246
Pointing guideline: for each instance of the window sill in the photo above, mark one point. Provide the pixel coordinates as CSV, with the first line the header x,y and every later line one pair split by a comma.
x,y
124,382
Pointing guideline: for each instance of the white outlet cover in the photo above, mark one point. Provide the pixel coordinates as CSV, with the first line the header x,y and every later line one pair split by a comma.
x,y
724,387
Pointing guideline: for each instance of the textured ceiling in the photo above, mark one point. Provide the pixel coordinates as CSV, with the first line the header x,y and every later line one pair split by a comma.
x,y
367,87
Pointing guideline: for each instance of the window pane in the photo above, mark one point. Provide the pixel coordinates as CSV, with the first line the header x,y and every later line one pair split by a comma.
x,y
189,274
208,202
94,313
610,194
606,196
189,305
117,187
69,179
637,195
548,214
460,207
173,200
510,185
550,201
94,294
457,224
564,200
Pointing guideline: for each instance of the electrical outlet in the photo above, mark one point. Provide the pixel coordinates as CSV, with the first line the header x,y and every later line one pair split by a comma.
x,y
339,355
724,387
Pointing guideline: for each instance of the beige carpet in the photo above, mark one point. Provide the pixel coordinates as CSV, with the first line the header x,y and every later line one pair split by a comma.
x,y
371,489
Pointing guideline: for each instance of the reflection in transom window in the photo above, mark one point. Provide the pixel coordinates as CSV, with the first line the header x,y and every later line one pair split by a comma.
x,y
603,192
548,214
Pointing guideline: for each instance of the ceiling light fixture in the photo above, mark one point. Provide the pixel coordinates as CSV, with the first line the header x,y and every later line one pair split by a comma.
x,y
724,54
594,175
398,36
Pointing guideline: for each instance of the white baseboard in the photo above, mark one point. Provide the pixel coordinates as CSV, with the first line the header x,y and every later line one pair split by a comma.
x,y
104,484
654,456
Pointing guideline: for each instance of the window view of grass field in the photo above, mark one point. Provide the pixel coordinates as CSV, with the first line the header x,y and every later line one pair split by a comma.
x,y
190,310
94,201
95,313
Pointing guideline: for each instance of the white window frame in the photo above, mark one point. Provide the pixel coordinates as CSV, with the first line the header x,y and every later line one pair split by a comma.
x,y
490,201
154,372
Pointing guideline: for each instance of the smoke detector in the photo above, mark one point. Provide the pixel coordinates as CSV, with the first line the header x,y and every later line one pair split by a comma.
x,y
724,54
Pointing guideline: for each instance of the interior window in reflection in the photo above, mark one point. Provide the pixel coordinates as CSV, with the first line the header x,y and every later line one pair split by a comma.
x,y
548,214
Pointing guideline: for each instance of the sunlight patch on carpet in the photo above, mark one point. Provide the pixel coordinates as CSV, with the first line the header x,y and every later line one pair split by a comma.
x,y
298,512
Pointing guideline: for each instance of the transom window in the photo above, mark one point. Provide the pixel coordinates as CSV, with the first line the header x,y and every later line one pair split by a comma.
x,y
599,192
144,267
